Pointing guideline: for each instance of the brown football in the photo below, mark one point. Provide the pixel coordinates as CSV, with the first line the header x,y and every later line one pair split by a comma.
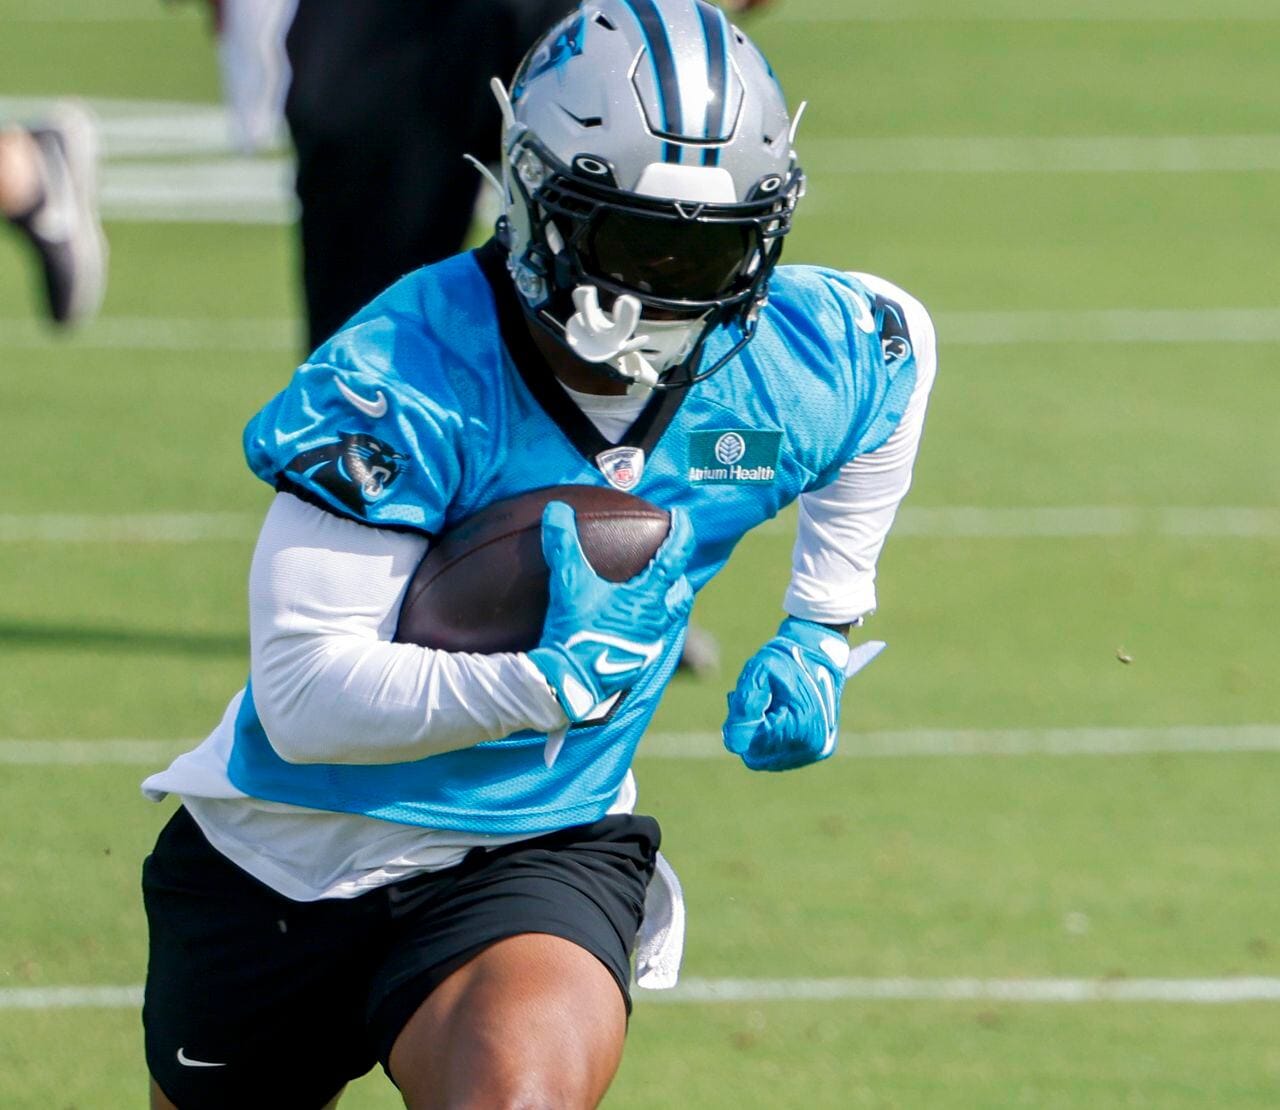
x,y
482,585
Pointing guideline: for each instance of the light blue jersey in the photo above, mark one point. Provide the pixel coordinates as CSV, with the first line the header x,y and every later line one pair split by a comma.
x,y
433,402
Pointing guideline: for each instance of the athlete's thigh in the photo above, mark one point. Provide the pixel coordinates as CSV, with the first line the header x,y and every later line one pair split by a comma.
x,y
533,1020
520,961
251,999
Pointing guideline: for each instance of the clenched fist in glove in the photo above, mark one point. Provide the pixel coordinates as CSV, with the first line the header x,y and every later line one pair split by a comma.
x,y
785,710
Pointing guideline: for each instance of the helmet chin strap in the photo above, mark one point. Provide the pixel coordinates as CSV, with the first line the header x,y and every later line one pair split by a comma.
x,y
599,336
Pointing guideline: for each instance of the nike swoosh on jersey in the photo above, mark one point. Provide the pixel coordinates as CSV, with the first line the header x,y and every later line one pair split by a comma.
x,y
605,665
187,1062
862,314
647,652
375,408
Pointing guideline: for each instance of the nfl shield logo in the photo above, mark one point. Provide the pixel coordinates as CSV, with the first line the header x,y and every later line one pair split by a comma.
x,y
621,466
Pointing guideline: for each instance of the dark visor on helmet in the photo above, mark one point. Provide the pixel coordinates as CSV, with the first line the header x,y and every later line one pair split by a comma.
x,y
675,259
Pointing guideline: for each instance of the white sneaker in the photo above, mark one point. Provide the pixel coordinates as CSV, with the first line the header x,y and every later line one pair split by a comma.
x,y
64,227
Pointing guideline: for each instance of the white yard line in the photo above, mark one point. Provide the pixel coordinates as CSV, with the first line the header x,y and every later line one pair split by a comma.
x,y
226,190
160,333
91,753
1222,522
173,161
1119,325
1024,11
1092,741
964,328
259,190
95,11
797,18
838,11
1195,991
1042,154
141,128
1096,741
1069,521
1038,522
70,998
128,527
696,990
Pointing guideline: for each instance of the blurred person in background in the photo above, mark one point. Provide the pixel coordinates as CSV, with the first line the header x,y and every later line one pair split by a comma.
x,y
48,195
254,68
384,100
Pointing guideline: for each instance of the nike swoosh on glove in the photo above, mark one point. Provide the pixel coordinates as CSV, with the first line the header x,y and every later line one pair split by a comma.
x,y
599,636
785,710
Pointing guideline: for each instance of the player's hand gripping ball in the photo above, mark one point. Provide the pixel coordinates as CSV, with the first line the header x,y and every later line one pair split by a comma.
x,y
483,585
785,710
600,636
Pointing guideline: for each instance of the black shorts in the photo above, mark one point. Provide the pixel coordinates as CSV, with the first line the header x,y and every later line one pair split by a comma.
x,y
254,999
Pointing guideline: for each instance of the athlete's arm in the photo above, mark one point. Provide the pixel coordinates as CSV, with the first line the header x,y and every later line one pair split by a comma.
x,y
784,711
843,526
328,683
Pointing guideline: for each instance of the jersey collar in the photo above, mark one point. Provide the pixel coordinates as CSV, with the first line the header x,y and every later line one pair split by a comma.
x,y
541,382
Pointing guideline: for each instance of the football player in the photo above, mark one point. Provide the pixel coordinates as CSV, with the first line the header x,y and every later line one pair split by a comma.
x,y
384,852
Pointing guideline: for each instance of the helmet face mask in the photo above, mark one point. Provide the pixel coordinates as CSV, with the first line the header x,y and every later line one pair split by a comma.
x,y
691,224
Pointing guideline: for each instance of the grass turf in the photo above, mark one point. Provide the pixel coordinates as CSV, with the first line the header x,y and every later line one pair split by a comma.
x,y
1002,867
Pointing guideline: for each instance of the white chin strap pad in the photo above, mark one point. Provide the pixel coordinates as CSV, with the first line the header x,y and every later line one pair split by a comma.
x,y
599,336
609,337
595,335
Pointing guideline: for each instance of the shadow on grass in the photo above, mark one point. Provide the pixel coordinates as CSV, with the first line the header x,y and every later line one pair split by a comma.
x,y
140,641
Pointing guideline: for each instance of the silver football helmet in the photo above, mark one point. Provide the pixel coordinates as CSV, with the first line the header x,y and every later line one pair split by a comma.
x,y
648,182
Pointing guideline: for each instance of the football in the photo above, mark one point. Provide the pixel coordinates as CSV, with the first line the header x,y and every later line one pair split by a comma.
x,y
482,586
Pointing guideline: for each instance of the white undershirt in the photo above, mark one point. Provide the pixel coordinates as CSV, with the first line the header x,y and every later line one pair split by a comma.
x,y
325,594
842,528
611,413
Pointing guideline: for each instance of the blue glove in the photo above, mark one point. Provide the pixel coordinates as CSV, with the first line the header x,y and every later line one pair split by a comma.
x,y
599,637
785,710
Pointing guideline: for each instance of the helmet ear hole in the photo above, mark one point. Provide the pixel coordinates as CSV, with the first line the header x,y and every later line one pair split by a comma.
x,y
595,169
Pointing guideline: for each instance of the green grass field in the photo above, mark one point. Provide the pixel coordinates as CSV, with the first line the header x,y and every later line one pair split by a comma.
x,y
1111,492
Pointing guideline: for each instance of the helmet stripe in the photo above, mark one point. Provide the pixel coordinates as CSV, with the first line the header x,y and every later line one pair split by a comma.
x,y
654,28
715,31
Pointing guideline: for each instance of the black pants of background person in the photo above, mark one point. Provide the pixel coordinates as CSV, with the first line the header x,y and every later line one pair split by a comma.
x,y
386,97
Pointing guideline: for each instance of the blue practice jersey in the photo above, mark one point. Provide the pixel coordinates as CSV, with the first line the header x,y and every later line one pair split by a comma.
x,y
433,402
